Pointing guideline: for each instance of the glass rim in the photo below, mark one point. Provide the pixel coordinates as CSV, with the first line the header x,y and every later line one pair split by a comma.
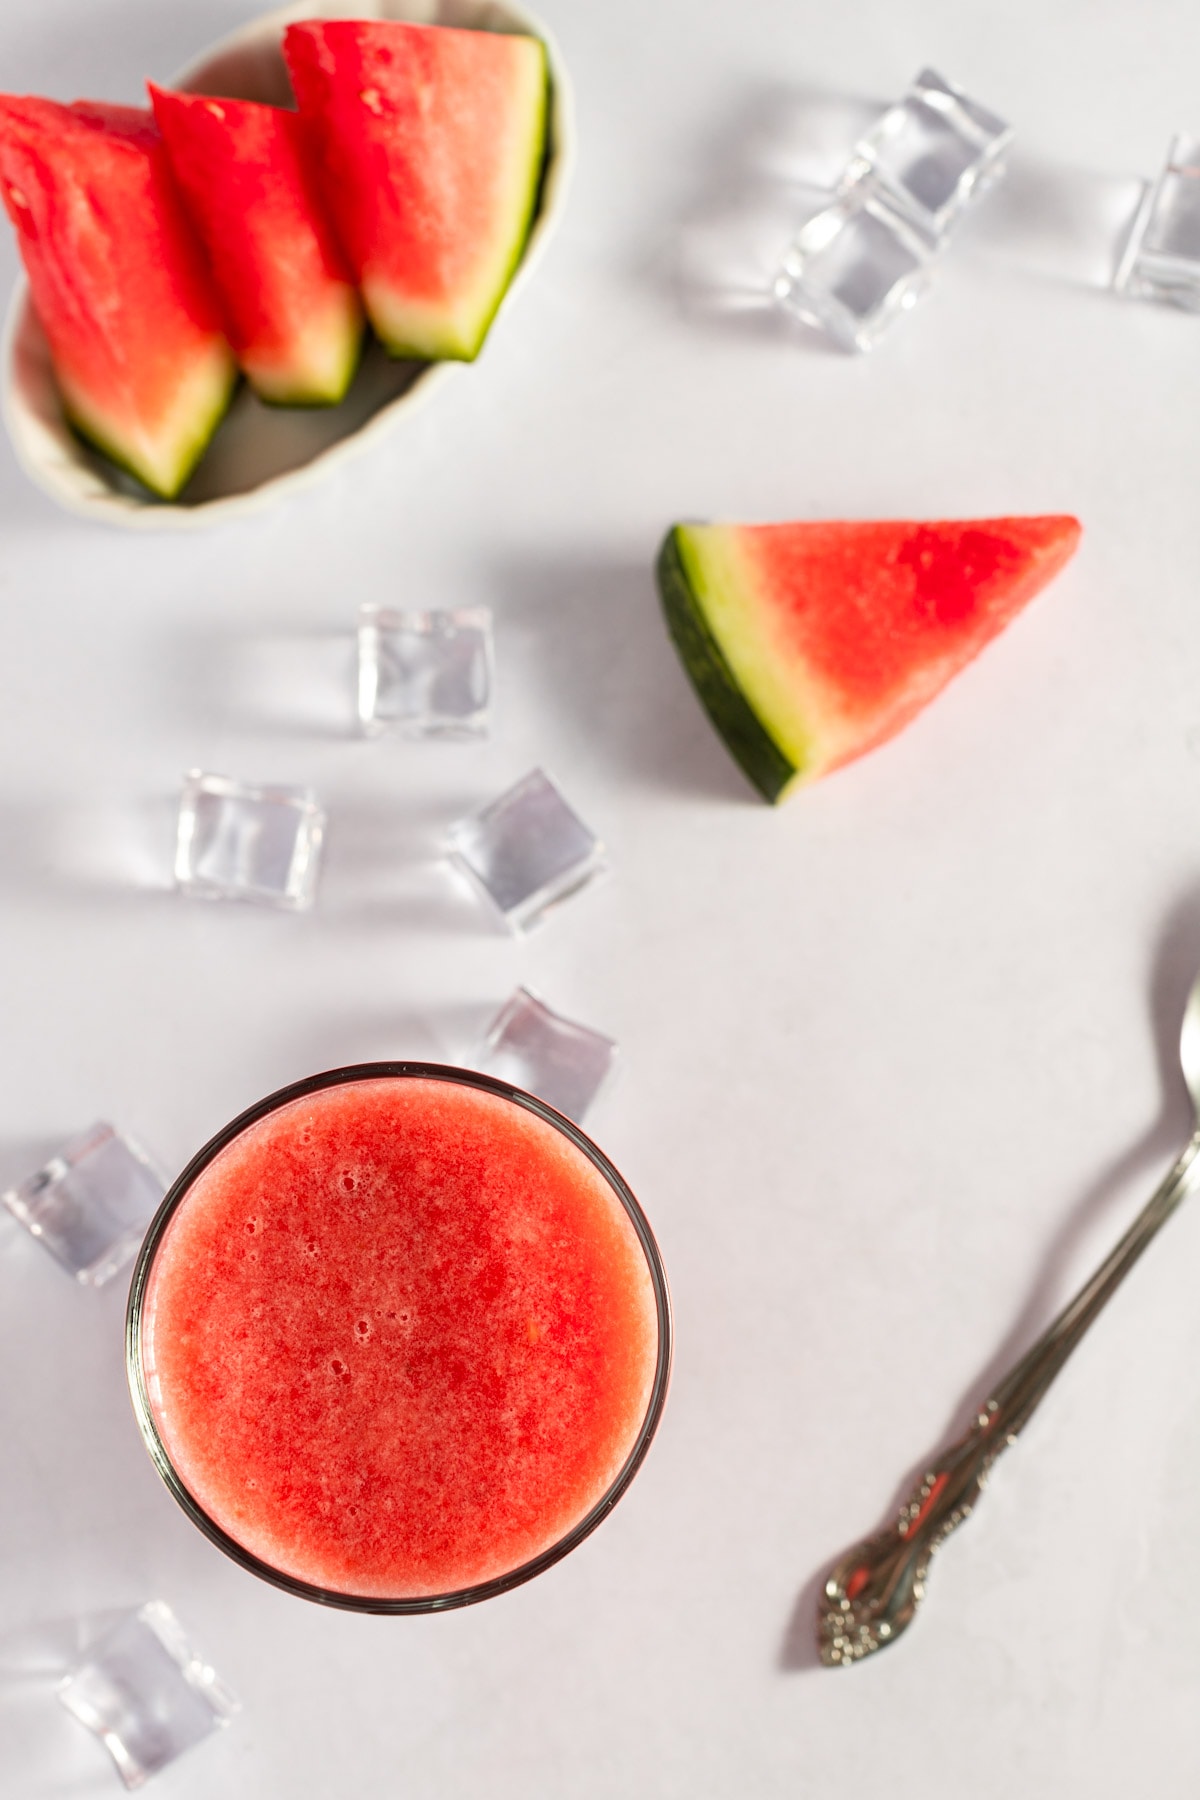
x,y
174,1198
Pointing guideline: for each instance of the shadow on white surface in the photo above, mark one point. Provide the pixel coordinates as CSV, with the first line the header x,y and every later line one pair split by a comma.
x,y
1055,222
386,865
384,862
385,1033
270,684
1065,1265
1176,961
42,1652
606,670
88,855
770,165
35,1731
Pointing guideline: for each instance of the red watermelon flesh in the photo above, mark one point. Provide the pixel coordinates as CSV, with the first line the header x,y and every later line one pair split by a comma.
x,y
118,281
290,306
431,142
809,644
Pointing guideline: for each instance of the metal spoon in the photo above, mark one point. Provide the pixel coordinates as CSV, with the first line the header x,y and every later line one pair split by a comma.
x,y
873,1592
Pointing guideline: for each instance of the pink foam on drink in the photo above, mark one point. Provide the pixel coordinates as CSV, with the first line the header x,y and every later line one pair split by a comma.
x,y
399,1337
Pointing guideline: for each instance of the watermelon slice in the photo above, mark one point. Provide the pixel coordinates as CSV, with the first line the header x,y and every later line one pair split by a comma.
x,y
431,144
118,282
809,644
291,309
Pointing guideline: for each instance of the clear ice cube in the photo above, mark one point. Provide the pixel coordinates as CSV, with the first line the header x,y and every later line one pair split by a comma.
x,y
240,841
91,1203
429,674
1161,259
931,155
528,850
869,255
532,1047
852,269
146,1693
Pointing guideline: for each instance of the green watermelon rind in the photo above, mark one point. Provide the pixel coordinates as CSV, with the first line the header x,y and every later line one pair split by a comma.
x,y
452,347
758,755
188,450
303,398
537,175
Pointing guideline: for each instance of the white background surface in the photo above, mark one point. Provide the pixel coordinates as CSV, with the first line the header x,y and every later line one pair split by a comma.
x,y
899,1059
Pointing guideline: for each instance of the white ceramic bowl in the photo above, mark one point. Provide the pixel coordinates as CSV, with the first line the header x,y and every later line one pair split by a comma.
x,y
260,451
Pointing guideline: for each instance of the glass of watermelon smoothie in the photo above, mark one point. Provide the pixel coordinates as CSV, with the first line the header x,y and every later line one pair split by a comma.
x,y
398,1338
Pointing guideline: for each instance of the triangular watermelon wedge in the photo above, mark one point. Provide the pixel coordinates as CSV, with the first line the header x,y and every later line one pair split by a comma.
x,y
118,282
810,644
288,298
431,142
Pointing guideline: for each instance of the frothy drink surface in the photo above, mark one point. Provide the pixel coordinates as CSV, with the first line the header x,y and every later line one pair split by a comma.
x,y
399,1337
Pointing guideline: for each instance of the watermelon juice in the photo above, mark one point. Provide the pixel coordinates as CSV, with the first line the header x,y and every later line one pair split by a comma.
x,y
399,1337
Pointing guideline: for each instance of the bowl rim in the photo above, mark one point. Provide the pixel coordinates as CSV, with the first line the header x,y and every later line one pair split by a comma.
x,y
139,1390
52,457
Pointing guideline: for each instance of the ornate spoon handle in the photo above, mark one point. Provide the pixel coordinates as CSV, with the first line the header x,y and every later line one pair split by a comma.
x,y
873,1592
